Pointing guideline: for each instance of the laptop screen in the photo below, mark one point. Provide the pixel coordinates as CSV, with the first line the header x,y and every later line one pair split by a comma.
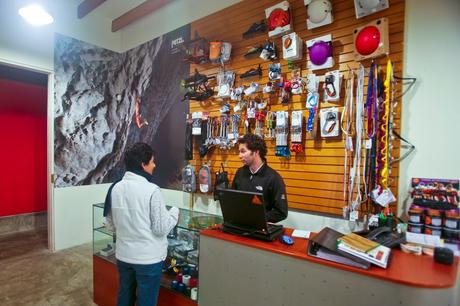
x,y
243,208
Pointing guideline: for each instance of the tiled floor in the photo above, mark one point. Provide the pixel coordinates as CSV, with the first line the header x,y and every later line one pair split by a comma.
x,y
31,275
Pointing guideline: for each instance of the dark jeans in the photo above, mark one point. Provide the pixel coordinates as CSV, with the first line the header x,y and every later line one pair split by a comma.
x,y
144,278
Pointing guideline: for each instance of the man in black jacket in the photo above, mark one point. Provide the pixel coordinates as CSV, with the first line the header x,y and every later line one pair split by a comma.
x,y
257,176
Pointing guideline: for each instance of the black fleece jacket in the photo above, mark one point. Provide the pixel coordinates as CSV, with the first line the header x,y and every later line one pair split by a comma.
x,y
268,182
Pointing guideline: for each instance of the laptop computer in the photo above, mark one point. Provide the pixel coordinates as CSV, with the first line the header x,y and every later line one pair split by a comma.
x,y
244,214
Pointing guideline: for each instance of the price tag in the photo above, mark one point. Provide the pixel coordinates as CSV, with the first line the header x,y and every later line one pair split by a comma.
x,y
352,172
349,143
368,144
197,115
251,112
354,215
385,198
196,131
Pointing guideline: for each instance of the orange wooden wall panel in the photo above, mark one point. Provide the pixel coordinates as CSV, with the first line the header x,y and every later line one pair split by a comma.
x,y
314,179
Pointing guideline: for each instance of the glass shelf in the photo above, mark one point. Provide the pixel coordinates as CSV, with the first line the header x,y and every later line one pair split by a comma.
x,y
190,220
183,243
104,230
195,221
100,205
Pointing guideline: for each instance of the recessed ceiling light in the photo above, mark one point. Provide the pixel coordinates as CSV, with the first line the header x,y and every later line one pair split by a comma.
x,y
35,15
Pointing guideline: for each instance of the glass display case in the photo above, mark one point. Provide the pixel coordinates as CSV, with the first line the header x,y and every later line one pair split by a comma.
x,y
180,271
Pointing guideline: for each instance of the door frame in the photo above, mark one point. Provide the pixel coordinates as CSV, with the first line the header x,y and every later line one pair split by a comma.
x,y
49,144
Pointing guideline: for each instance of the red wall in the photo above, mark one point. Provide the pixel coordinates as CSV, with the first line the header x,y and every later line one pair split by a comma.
x,y
23,158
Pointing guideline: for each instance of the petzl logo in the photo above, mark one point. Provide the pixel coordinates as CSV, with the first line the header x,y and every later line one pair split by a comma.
x,y
175,43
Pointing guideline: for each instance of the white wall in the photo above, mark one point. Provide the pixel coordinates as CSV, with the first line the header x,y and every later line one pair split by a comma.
x,y
25,45
73,214
430,118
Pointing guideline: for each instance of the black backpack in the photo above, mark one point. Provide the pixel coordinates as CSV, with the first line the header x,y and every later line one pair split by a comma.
x,y
221,181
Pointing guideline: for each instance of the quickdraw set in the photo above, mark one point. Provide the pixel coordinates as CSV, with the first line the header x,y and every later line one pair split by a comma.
x,y
281,134
296,132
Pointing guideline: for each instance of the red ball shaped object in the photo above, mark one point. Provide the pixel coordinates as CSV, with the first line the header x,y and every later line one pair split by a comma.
x,y
367,40
278,18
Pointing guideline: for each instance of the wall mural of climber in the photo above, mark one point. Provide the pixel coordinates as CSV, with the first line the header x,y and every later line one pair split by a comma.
x,y
106,101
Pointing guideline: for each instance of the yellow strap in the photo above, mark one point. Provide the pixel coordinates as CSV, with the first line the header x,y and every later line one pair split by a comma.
x,y
385,128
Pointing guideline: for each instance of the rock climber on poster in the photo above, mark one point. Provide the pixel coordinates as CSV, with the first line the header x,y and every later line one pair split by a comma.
x,y
141,122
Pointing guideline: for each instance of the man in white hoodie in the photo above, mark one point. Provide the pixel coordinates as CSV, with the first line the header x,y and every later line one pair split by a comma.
x,y
138,216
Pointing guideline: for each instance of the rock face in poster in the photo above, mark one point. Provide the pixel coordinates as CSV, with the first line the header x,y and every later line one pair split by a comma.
x,y
106,101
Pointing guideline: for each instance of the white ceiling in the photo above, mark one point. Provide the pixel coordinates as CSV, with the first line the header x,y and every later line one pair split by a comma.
x,y
110,8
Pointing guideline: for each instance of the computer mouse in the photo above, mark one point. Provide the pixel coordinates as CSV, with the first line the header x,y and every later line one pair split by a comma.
x,y
287,239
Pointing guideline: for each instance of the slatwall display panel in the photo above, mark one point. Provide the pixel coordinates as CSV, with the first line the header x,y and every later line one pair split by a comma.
x,y
314,178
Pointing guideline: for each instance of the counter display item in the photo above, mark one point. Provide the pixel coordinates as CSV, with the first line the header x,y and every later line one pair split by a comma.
x,y
435,193
452,219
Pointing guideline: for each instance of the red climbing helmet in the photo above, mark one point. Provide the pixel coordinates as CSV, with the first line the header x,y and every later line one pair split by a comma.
x,y
367,40
278,18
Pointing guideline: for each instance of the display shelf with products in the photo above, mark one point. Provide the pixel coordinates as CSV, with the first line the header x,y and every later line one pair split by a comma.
x,y
180,271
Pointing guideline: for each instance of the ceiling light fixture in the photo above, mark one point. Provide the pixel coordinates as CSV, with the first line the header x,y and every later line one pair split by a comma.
x,y
35,15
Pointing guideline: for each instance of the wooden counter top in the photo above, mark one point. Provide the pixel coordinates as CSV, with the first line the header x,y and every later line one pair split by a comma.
x,y
407,269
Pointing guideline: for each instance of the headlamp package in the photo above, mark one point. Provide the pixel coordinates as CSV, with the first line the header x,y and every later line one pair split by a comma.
x,y
332,84
329,122
292,47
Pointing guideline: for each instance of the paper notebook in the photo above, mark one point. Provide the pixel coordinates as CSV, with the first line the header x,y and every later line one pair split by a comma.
x,y
379,255
358,242
324,245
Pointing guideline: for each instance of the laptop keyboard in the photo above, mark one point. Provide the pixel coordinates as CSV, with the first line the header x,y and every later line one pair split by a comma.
x,y
273,227
270,227
273,232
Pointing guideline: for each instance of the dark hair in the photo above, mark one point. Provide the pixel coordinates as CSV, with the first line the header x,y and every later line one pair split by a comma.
x,y
137,154
254,143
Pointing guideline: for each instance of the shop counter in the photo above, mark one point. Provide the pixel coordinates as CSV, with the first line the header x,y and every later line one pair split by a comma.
x,y
238,270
